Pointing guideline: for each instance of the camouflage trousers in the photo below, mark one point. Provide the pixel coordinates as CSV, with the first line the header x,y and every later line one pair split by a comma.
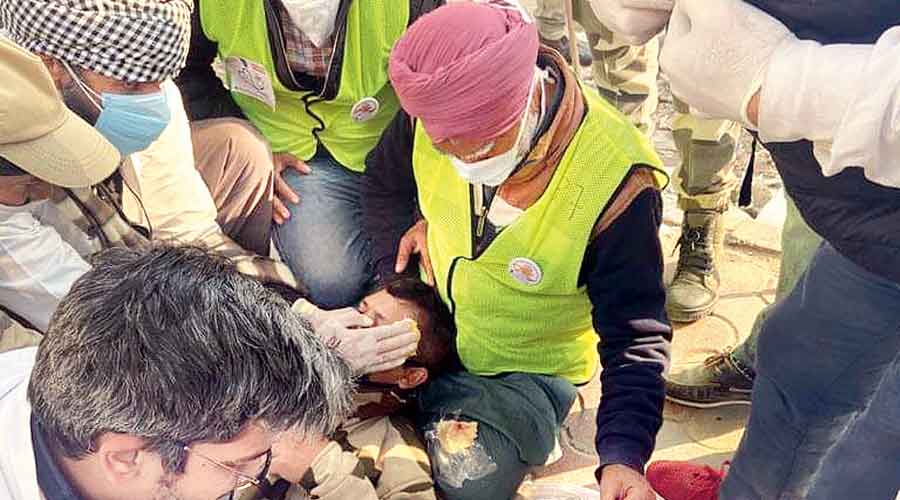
x,y
627,77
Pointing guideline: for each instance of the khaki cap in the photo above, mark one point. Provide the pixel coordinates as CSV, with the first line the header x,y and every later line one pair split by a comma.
x,y
39,134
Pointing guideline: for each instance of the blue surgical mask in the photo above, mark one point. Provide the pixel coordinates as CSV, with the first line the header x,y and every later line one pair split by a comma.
x,y
131,122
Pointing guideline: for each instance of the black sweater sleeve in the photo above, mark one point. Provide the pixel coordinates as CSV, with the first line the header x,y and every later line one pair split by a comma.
x,y
623,270
203,93
389,194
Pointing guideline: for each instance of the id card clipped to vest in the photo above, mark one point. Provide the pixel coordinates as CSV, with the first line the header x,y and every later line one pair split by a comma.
x,y
250,79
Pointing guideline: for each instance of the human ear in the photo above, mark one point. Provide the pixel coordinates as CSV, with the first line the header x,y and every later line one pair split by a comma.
x,y
121,456
413,377
57,71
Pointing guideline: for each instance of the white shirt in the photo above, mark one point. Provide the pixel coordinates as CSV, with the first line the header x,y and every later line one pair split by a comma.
x,y
18,475
174,196
37,265
869,132
843,97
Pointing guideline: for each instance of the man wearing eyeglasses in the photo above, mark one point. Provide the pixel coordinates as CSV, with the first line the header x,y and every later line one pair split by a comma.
x,y
165,374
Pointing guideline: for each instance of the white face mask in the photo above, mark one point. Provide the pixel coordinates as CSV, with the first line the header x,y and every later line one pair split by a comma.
x,y
495,170
315,18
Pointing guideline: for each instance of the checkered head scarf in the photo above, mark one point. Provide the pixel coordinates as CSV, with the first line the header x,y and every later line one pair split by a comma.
x,y
134,41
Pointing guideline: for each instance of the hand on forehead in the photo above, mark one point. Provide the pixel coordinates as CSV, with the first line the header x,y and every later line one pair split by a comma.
x,y
385,309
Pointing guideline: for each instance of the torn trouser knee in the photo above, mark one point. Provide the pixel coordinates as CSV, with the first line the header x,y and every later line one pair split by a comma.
x,y
518,419
483,466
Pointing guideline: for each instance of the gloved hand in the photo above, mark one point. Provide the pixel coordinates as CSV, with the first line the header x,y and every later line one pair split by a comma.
x,y
366,349
635,21
716,53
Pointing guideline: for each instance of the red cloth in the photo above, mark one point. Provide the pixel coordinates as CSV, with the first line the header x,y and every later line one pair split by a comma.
x,y
675,480
465,70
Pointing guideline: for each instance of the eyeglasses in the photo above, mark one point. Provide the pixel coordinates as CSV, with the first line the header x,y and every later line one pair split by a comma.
x,y
244,480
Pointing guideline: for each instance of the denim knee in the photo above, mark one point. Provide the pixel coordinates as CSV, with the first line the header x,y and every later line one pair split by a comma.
x,y
334,282
322,242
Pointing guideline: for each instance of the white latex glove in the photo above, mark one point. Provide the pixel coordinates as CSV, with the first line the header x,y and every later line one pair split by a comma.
x,y
635,21
366,349
716,53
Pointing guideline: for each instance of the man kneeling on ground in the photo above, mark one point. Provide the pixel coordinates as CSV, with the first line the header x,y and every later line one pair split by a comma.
x,y
540,213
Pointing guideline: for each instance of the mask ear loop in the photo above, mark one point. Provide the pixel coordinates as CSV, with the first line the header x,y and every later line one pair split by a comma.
x,y
140,202
540,75
91,94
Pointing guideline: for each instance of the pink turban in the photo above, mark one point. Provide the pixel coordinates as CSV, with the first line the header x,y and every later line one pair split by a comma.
x,y
465,70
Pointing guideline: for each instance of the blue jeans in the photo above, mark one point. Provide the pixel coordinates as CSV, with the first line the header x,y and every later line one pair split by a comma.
x,y
823,351
323,241
865,463
798,245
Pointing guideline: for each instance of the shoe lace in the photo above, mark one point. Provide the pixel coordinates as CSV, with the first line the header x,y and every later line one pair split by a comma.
x,y
717,358
695,253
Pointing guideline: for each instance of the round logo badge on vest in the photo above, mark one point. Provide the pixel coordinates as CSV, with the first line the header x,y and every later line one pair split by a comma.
x,y
365,109
525,271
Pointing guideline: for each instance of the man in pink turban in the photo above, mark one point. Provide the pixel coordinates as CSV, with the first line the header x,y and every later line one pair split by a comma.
x,y
534,208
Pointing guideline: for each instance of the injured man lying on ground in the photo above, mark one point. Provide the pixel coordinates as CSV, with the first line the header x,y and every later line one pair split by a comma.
x,y
376,453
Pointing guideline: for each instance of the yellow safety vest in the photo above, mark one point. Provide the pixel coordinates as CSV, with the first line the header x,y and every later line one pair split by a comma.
x,y
300,120
518,306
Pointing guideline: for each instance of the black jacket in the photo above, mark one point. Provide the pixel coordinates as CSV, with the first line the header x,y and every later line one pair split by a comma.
x,y
859,218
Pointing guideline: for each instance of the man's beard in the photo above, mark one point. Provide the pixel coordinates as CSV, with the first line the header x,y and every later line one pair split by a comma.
x,y
165,489
78,102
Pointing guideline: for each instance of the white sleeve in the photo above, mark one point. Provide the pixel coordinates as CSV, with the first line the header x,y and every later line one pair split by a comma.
x,y
176,199
843,97
807,88
869,133
178,202
38,267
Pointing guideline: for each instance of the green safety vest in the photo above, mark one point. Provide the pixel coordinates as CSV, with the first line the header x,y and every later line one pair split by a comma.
x,y
240,30
518,306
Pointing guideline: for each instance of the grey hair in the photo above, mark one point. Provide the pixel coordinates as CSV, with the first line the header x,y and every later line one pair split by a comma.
x,y
173,345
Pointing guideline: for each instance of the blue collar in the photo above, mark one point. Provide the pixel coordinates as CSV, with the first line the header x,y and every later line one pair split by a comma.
x,y
52,481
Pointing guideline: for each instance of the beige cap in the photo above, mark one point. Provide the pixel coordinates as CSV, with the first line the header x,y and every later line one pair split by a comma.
x,y
39,134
